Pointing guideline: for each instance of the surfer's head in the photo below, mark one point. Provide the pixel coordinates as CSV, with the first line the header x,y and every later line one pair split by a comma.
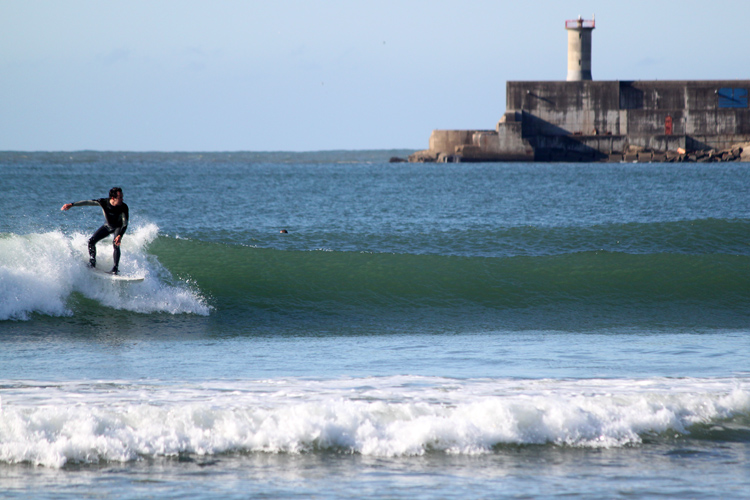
x,y
115,196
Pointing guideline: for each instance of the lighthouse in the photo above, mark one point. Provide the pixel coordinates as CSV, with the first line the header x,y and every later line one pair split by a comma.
x,y
579,49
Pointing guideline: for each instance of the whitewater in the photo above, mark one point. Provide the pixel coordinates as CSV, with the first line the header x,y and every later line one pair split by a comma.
x,y
39,272
382,416
415,331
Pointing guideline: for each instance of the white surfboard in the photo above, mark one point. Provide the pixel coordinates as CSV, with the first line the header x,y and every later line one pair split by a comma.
x,y
115,277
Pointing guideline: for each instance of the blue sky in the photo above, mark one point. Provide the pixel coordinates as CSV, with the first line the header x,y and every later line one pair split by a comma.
x,y
185,75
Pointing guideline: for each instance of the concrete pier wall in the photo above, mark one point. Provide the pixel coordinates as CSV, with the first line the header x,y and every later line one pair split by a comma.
x,y
628,108
602,120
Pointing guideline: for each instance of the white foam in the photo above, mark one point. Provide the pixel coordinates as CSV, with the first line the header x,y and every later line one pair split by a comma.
x,y
52,424
38,273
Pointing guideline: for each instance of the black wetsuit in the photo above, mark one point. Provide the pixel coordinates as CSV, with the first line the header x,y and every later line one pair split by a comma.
x,y
116,222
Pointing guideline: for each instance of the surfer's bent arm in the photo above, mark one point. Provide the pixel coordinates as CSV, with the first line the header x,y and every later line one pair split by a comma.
x,y
123,223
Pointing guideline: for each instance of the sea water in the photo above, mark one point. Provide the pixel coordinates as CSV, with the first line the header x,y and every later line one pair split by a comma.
x,y
419,330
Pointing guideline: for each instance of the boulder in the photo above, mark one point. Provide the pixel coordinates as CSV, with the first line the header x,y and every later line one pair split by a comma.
x,y
424,156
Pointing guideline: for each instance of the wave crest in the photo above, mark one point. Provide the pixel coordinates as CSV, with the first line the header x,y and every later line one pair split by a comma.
x,y
388,416
40,271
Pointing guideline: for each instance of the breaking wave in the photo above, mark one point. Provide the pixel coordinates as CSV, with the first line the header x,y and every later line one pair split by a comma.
x,y
52,424
40,272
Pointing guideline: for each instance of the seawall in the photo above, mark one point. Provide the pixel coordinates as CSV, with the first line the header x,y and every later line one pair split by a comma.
x,y
707,120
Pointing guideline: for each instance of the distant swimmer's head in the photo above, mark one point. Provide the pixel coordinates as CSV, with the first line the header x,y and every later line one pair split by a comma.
x,y
115,196
284,231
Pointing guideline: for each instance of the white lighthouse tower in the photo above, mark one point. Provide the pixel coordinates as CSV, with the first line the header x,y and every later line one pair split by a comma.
x,y
579,49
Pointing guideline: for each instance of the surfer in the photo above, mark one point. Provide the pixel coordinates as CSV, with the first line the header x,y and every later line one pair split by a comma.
x,y
116,221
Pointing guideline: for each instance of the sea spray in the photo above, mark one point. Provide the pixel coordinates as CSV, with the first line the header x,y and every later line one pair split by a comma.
x,y
40,271
37,274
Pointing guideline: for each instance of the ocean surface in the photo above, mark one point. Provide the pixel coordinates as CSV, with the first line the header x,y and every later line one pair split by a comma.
x,y
420,330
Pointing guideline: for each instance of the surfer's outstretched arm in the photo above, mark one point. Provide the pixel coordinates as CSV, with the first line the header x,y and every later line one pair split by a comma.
x,y
84,203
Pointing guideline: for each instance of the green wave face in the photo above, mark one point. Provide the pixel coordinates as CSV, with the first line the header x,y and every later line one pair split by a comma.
x,y
590,283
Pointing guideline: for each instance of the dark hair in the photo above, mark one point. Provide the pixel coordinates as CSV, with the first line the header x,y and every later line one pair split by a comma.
x,y
113,192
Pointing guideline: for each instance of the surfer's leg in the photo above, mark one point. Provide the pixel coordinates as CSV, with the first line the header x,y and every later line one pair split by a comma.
x,y
116,258
99,235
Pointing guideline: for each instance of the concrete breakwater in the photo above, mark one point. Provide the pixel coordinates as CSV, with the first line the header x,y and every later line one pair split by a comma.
x,y
633,154
608,121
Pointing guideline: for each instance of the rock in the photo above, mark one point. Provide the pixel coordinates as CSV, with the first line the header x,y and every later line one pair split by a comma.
x,y
424,156
744,150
